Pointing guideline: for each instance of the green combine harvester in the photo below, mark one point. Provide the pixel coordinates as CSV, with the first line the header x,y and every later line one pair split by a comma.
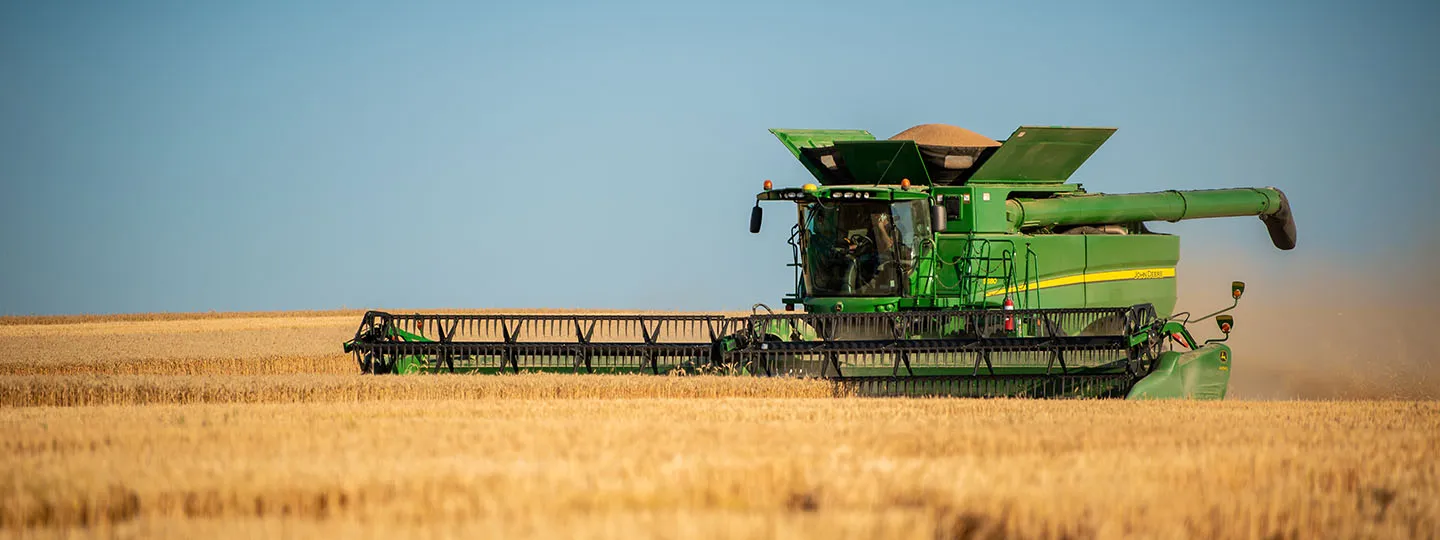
x,y
937,262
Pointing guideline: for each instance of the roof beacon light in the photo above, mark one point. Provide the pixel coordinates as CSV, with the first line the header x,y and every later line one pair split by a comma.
x,y
769,185
904,183
809,187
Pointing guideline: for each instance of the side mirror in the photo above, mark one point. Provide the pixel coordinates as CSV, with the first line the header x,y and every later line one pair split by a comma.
x,y
1225,322
755,214
937,217
1237,288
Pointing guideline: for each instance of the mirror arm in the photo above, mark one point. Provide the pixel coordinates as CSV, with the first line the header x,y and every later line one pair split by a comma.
x,y
1232,306
1221,340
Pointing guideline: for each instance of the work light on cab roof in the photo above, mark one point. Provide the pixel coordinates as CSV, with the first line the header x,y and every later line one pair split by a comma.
x,y
936,262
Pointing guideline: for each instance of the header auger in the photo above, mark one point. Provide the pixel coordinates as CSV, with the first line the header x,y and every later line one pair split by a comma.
x,y
938,262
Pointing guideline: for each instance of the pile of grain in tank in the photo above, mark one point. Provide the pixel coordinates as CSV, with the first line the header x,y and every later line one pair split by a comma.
x,y
944,135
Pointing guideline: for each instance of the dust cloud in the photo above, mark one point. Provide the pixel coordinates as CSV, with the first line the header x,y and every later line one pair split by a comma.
x,y
1328,331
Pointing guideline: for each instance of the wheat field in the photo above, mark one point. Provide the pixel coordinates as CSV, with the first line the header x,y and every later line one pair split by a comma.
x,y
255,425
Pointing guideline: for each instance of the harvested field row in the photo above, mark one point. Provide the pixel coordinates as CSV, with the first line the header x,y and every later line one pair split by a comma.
x,y
236,346
80,390
353,314
338,364
25,320
686,523
729,467
343,326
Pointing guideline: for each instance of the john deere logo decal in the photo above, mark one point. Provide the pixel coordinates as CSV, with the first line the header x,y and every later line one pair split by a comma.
x,y
1224,357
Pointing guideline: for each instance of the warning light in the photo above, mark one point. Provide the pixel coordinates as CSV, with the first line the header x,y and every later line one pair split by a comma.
x,y
904,183
1237,288
769,185
1226,322
809,187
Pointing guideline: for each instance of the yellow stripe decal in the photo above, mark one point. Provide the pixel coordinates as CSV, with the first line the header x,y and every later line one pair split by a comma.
x,y
1097,277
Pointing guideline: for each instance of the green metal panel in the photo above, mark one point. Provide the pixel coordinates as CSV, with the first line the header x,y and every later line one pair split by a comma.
x,y
1159,292
986,209
977,210
1203,373
983,208
883,162
1060,270
1053,257
1125,270
949,251
795,139
1041,155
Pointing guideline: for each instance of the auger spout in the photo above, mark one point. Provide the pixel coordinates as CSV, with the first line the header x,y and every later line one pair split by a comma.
x,y
1268,203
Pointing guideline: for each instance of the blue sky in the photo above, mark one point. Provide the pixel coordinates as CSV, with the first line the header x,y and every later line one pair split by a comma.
x,y
193,156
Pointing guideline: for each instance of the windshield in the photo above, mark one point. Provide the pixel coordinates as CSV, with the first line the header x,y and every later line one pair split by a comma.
x,y
862,248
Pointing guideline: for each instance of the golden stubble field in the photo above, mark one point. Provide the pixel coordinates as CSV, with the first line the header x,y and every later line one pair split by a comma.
x,y
187,427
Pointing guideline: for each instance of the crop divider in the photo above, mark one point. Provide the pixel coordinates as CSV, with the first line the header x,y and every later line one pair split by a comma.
x,y
445,336
826,330
1057,354
899,329
582,351
507,355
650,337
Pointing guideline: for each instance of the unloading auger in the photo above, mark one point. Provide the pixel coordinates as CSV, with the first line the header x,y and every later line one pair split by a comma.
x,y
924,266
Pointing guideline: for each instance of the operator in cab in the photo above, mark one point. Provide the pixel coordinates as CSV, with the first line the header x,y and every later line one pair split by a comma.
x,y
855,243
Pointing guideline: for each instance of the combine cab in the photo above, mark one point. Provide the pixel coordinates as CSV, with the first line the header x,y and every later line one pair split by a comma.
x,y
935,263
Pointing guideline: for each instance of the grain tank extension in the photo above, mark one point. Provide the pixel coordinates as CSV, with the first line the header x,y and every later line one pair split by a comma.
x,y
937,262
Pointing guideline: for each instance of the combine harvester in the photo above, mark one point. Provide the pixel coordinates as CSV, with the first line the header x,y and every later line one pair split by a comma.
x,y
938,262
